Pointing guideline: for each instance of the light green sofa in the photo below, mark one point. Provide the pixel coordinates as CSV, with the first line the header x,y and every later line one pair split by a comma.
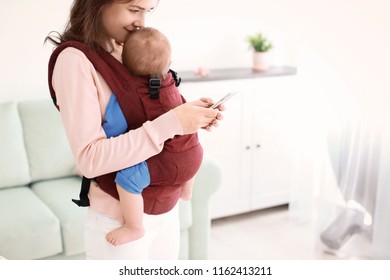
x,y
37,182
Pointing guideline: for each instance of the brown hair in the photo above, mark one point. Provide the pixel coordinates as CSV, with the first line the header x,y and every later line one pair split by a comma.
x,y
84,24
147,52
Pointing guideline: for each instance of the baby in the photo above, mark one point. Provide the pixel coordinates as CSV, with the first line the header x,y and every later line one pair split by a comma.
x,y
147,54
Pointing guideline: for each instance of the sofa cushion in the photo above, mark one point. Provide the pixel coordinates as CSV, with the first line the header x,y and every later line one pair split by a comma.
x,y
58,194
46,143
14,170
28,228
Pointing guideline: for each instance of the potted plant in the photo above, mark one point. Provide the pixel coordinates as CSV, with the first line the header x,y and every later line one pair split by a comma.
x,y
260,46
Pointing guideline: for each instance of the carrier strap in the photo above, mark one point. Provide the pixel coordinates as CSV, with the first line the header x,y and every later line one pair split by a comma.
x,y
84,200
154,87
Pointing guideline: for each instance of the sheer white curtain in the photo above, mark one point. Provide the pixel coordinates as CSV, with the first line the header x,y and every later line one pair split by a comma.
x,y
381,224
341,178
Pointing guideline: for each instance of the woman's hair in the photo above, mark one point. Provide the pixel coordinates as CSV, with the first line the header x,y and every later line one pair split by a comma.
x,y
147,52
84,23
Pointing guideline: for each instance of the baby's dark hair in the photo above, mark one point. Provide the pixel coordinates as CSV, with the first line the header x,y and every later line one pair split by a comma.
x,y
147,52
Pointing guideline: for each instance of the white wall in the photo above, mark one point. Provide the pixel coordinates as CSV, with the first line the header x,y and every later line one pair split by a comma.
x,y
339,46
24,26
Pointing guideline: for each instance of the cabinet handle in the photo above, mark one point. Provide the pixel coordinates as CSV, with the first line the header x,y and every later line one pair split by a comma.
x,y
247,147
258,146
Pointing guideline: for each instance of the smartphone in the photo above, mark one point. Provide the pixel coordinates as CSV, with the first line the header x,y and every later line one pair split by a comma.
x,y
223,99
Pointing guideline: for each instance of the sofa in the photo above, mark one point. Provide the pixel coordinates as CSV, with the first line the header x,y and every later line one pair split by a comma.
x,y
38,220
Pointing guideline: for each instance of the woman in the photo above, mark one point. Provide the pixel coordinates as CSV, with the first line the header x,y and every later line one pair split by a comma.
x,y
82,97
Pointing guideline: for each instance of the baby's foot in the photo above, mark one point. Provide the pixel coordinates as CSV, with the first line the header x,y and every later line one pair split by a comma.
x,y
124,234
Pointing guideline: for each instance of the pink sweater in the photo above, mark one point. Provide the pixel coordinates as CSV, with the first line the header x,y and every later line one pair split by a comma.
x,y
82,96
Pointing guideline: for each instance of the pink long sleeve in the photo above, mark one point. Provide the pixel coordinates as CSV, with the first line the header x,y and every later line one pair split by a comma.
x,y
82,96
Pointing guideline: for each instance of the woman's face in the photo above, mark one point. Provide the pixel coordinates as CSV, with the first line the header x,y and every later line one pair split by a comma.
x,y
122,17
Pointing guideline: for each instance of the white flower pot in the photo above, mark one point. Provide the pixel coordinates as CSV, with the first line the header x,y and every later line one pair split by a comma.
x,y
260,61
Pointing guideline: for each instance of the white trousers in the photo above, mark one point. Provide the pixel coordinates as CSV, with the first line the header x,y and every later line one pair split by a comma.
x,y
160,242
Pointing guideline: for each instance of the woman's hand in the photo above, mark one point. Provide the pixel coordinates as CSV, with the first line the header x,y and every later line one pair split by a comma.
x,y
219,117
197,114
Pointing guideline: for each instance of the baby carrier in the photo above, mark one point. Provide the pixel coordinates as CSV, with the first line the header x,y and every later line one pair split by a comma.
x,y
142,99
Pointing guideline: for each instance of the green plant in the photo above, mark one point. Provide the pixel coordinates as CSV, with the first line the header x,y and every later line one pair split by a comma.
x,y
259,43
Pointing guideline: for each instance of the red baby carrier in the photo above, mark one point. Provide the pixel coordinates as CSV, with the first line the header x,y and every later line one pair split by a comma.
x,y
181,156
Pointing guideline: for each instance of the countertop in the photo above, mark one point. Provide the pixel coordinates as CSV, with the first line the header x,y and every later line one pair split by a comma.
x,y
236,73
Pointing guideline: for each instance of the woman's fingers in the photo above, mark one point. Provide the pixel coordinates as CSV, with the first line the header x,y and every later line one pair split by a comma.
x,y
214,122
212,115
208,102
191,117
197,114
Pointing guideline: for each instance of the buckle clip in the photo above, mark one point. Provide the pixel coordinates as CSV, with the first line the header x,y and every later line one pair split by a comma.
x,y
154,87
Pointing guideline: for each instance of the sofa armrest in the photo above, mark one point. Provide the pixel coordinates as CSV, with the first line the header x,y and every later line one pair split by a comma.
x,y
207,181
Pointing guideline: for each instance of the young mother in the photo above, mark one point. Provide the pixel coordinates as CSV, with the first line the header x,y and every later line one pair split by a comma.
x,y
82,95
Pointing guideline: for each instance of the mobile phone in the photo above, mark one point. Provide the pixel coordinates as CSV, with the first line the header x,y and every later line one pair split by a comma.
x,y
223,99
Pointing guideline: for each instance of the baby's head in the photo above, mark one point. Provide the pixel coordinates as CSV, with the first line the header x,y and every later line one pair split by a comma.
x,y
147,52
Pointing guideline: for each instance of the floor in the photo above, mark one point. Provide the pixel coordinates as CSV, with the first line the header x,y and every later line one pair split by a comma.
x,y
266,234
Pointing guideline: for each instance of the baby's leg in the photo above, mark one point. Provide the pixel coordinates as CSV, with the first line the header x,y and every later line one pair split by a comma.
x,y
186,190
132,207
130,182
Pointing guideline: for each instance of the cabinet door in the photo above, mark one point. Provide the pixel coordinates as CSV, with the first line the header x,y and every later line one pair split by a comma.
x,y
224,144
272,132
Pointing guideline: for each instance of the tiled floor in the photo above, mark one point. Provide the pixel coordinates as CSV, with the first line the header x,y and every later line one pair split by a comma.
x,y
267,234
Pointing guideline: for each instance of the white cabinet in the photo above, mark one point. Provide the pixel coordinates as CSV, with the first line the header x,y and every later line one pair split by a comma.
x,y
252,143
268,134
